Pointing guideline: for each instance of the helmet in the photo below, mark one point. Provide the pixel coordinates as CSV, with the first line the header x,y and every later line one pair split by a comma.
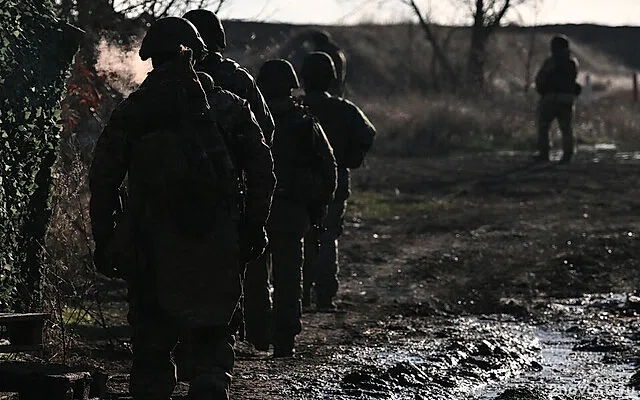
x,y
166,35
209,26
277,78
559,44
318,70
320,37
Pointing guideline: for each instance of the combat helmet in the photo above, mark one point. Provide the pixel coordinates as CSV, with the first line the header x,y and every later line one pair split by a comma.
x,y
559,44
318,71
320,37
276,78
209,26
166,35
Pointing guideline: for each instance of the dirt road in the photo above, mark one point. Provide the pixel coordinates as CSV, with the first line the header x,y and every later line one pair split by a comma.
x,y
475,277
472,278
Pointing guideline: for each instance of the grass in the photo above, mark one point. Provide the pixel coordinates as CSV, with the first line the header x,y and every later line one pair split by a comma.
x,y
77,316
438,124
376,205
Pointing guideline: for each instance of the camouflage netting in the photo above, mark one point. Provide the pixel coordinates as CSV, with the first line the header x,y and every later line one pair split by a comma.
x,y
35,51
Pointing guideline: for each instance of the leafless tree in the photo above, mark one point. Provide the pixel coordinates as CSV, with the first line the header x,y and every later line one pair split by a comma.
x,y
487,16
439,55
163,8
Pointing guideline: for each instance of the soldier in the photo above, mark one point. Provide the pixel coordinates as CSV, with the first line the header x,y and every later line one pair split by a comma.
x,y
225,71
557,86
351,136
322,42
306,179
181,224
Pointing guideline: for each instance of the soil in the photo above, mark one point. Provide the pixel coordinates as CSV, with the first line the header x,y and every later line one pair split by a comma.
x,y
481,276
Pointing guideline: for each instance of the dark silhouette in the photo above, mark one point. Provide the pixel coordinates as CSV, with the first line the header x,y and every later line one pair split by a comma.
x,y
182,262
351,136
558,89
225,71
306,179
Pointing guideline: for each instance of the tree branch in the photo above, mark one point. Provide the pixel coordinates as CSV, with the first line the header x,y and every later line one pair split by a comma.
x,y
437,50
220,4
165,12
495,20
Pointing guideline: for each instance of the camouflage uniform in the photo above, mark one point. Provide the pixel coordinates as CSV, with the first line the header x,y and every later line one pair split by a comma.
x,y
226,73
556,84
306,178
318,40
347,128
324,44
193,292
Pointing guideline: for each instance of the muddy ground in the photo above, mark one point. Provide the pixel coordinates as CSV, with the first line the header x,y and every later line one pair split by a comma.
x,y
470,277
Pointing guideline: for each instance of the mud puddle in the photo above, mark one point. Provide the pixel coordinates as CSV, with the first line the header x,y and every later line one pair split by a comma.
x,y
565,373
482,359
585,350
594,153
589,352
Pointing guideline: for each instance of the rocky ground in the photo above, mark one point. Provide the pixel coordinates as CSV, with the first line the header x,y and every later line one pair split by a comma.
x,y
472,277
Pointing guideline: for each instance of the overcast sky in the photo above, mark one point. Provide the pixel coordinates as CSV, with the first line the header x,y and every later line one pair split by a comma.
x,y
607,12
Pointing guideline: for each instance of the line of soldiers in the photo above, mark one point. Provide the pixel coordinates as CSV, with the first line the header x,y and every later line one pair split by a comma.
x,y
223,174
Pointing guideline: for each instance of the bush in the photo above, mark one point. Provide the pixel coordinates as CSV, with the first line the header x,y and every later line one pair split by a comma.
x,y
35,50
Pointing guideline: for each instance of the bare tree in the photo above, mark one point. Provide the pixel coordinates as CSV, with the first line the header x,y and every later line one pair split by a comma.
x,y
439,55
487,16
163,8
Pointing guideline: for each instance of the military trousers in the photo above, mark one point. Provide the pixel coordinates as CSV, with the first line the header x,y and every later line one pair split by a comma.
x,y
320,269
154,335
280,321
555,107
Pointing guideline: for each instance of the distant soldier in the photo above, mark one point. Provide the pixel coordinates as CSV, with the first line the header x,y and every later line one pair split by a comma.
x,y
306,180
225,71
557,86
177,244
351,136
322,42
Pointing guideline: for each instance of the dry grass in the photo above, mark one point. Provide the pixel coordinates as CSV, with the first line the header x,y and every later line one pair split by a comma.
x,y
436,124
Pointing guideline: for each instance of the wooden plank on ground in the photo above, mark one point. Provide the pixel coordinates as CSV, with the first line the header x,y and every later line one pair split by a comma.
x,y
10,317
31,380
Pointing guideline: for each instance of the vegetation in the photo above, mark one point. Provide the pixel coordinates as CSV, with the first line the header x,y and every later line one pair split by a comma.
x,y
35,51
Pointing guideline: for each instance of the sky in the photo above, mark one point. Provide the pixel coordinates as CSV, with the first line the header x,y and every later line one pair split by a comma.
x,y
605,12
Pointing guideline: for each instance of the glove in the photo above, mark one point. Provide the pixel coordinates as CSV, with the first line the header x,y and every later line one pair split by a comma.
x,y
253,243
103,262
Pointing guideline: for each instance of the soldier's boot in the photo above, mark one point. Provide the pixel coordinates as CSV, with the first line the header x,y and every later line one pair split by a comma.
x,y
325,304
210,387
284,346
